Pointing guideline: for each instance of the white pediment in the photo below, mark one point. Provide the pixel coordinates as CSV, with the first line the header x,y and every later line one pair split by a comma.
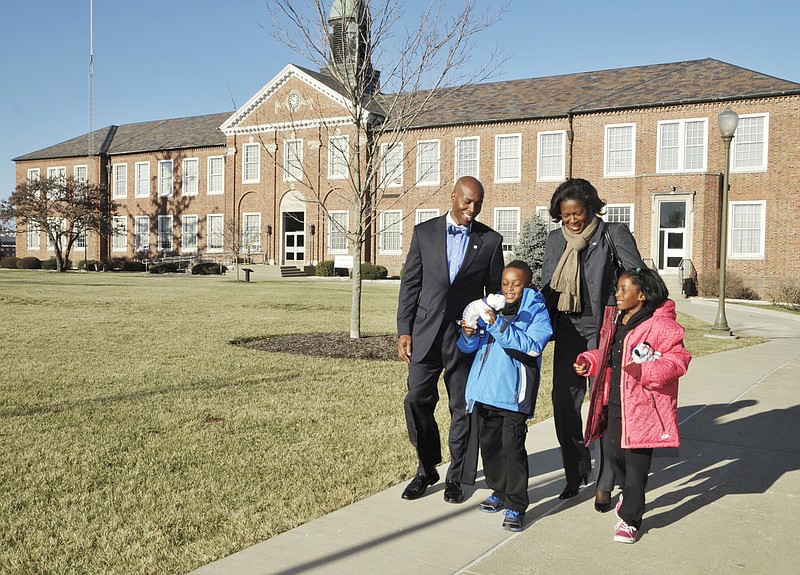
x,y
236,123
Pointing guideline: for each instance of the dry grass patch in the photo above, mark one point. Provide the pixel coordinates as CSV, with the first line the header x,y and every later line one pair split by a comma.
x,y
136,439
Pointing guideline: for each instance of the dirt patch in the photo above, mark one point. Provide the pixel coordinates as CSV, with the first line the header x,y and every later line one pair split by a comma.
x,y
336,345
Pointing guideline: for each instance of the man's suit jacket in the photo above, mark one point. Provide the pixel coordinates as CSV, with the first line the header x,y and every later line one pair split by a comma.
x,y
426,296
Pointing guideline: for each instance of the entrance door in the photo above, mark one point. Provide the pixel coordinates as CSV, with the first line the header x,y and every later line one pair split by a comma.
x,y
294,238
671,235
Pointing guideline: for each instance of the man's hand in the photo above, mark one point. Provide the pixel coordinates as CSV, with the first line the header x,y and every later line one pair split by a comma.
x,y
404,347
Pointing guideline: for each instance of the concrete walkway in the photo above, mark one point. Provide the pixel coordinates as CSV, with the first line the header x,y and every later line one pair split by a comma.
x,y
728,501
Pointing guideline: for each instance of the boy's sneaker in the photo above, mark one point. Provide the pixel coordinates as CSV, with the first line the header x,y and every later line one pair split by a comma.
x,y
513,520
491,504
619,504
625,533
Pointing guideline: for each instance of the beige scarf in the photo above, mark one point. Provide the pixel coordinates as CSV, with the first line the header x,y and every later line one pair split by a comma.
x,y
567,277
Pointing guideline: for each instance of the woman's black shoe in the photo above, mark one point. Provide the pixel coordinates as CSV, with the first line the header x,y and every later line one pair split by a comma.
x,y
572,490
602,501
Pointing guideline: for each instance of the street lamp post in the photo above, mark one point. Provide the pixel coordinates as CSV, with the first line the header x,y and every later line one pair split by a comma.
x,y
728,120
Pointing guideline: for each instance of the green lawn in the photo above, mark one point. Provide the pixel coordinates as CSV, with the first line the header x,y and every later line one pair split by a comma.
x,y
136,439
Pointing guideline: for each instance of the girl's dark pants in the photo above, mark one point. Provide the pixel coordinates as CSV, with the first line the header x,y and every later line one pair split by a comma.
x,y
630,467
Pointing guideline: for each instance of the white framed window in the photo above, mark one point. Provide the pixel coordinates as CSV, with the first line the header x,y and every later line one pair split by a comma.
x,y
251,232
622,213
216,175
337,232
80,240
338,154
164,233
507,157
392,165
466,155
141,189
61,226
424,214
120,189
189,234
141,233
750,143
682,145
190,177
293,156
392,232
251,163
620,150
428,152
543,213
119,237
746,229
33,174
165,178
59,173
34,235
506,222
81,174
551,156
215,233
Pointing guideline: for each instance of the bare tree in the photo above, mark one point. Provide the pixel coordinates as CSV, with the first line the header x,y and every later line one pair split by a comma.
x,y
419,64
64,208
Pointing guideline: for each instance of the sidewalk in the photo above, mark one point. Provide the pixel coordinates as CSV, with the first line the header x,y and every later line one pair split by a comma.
x,y
726,501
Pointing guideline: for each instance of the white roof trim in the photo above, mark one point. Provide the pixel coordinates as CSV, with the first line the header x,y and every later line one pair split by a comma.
x,y
233,124
290,126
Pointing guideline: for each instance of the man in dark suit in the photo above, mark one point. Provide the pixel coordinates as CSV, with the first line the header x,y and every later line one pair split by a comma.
x,y
452,260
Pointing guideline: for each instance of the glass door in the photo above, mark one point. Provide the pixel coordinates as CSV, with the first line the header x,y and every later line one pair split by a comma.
x,y
671,235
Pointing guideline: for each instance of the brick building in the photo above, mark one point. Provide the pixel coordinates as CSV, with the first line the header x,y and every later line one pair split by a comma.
x,y
646,136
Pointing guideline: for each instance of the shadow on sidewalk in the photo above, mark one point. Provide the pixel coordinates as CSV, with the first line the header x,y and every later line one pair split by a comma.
x,y
736,456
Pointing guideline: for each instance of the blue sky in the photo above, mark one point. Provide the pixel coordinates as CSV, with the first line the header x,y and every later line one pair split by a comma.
x,y
156,59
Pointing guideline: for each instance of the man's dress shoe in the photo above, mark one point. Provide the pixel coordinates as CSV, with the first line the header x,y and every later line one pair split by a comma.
x,y
418,485
453,492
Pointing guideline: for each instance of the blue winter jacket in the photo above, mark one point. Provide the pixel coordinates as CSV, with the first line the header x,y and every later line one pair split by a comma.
x,y
505,372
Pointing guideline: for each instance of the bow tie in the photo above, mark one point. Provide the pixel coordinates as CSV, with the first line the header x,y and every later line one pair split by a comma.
x,y
455,230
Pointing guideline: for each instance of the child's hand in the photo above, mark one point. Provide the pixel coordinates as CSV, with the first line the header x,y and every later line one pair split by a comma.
x,y
491,316
581,367
468,331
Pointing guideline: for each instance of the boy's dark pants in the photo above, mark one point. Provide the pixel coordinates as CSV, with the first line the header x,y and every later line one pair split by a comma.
x,y
505,461
630,467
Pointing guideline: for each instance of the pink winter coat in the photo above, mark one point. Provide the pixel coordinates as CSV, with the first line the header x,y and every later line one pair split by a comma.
x,y
649,390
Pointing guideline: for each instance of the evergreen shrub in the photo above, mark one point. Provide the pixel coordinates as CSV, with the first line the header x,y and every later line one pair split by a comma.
x,y
29,263
164,268
373,272
9,262
530,247
207,269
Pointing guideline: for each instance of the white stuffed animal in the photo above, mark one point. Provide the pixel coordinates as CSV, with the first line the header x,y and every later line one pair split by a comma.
x,y
479,307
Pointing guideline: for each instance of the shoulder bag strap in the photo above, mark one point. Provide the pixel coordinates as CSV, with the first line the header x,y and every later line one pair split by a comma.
x,y
617,262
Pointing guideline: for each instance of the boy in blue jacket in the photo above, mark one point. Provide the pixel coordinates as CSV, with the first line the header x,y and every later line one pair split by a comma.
x,y
502,388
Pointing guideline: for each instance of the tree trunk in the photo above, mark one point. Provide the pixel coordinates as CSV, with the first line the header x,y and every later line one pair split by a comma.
x,y
355,300
357,237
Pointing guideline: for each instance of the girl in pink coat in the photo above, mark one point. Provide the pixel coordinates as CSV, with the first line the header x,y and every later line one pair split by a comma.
x,y
634,401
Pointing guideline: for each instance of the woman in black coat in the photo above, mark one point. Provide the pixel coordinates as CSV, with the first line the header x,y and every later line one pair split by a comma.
x,y
578,278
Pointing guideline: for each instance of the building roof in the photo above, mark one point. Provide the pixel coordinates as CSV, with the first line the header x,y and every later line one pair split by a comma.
x,y
191,132
693,81
690,82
